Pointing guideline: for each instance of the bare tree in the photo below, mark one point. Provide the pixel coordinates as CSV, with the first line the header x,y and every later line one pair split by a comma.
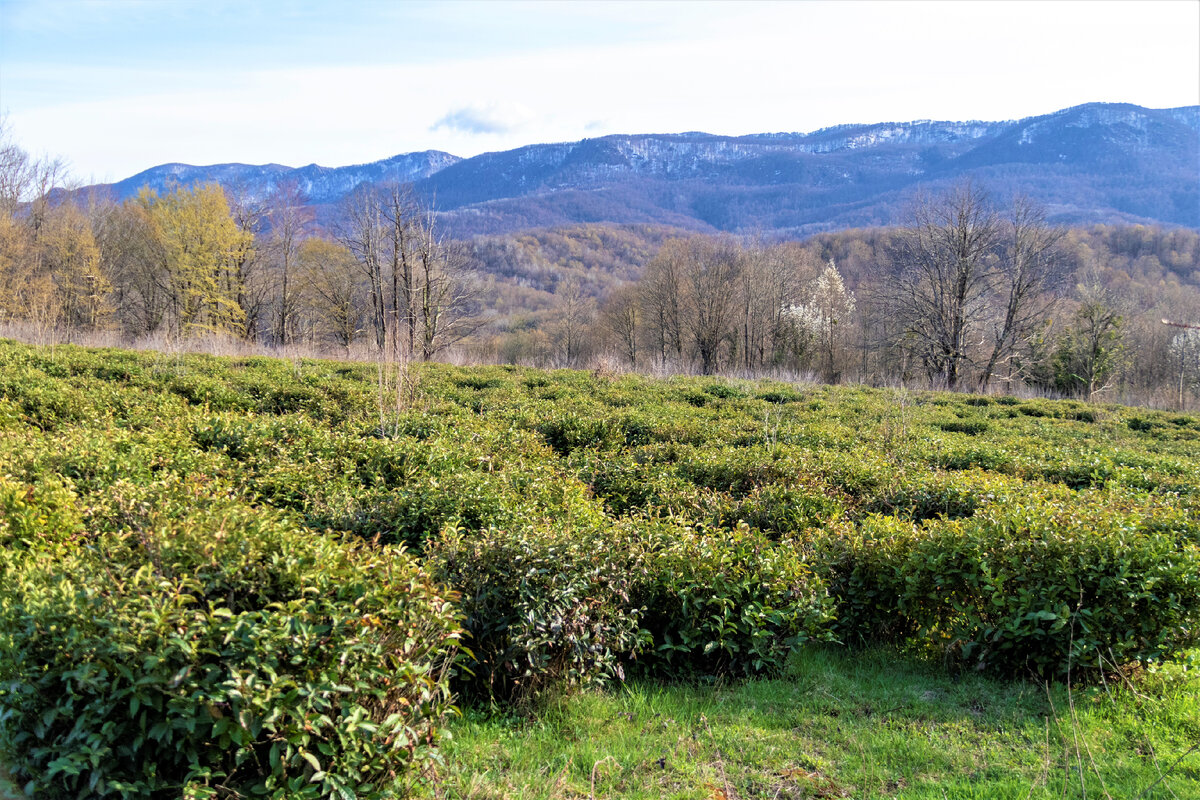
x,y
1029,263
757,309
25,179
712,274
574,312
404,244
621,316
663,297
361,231
133,258
946,261
16,168
446,291
1185,352
785,271
287,219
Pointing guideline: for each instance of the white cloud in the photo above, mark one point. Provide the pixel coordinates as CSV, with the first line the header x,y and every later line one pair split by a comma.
x,y
491,118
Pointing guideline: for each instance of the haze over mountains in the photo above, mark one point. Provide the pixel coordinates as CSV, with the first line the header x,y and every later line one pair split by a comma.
x,y
1094,163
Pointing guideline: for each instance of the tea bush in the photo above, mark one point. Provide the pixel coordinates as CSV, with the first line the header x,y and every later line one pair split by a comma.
x,y
971,427
227,655
782,510
727,601
863,569
32,516
554,608
926,494
1041,588
43,402
545,608
1031,587
646,481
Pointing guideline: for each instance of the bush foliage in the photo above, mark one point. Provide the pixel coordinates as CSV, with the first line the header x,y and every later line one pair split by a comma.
x,y
227,654
228,575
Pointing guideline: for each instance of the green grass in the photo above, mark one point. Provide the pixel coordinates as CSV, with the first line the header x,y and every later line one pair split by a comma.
x,y
840,724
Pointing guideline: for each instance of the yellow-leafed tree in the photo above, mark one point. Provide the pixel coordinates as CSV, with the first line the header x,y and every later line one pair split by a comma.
x,y
201,248
71,256
331,290
26,291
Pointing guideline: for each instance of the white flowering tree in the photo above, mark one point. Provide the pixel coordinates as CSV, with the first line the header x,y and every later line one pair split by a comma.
x,y
830,310
801,326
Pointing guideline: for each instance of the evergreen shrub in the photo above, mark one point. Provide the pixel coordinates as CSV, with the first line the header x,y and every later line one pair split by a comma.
x,y
727,601
225,654
545,608
1045,589
1033,588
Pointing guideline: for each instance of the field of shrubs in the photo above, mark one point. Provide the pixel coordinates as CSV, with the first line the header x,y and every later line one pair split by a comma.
x,y
239,578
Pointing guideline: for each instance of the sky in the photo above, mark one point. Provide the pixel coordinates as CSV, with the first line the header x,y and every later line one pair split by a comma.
x,y
117,86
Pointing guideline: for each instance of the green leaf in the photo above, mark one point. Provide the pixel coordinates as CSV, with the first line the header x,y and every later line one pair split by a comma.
x,y
311,759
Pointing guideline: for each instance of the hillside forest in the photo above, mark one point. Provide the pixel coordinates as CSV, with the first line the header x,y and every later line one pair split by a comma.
x,y
974,292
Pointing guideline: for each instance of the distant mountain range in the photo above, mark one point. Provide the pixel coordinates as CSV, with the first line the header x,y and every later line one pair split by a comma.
x,y
1094,163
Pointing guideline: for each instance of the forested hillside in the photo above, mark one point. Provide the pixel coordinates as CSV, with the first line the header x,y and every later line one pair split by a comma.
x,y
1096,163
1141,274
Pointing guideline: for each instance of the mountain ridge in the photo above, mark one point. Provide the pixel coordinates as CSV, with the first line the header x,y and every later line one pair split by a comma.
x,y
1089,163
321,184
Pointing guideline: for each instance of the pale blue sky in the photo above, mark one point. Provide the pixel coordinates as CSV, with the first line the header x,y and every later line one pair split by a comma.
x,y
116,86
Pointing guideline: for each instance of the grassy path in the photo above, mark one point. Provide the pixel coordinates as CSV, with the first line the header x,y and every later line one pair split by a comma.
x,y
877,726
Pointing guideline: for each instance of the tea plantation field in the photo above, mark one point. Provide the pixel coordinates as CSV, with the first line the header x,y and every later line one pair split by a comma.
x,y
266,578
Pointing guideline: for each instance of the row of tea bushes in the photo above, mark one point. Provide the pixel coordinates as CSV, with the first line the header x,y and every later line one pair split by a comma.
x,y
1035,587
166,632
213,653
561,606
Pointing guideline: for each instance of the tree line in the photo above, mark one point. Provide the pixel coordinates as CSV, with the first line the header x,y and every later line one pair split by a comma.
x,y
198,261
969,293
